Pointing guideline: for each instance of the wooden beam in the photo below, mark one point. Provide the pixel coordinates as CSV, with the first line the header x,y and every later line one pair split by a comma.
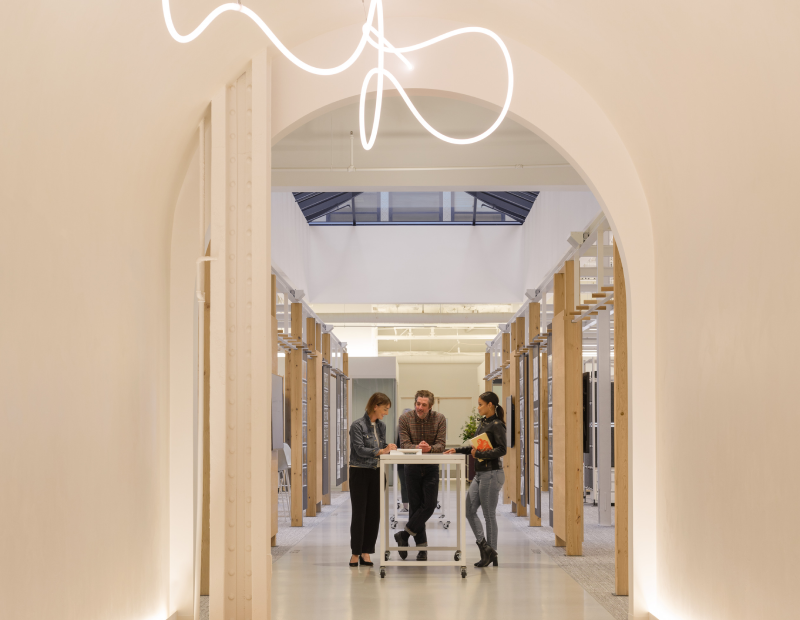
x,y
326,348
519,398
567,434
314,423
346,405
487,365
534,319
544,423
275,369
506,344
297,322
570,298
621,421
559,301
294,394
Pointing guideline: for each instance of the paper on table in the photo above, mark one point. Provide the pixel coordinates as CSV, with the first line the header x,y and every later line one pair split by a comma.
x,y
481,443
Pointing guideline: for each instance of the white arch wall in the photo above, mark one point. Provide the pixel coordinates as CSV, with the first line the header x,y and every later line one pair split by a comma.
x,y
97,115
559,110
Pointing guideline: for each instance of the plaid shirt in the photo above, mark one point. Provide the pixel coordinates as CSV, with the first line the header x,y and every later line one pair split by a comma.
x,y
432,430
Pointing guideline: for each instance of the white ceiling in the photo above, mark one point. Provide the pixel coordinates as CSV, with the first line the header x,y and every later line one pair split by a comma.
x,y
317,154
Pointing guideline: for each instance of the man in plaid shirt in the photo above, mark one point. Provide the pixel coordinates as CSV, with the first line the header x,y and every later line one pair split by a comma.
x,y
427,430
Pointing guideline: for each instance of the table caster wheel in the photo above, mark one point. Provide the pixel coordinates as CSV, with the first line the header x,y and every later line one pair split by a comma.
x,y
383,573
457,556
463,572
385,556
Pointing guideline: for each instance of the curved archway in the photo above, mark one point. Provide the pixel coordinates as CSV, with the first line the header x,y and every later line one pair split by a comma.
x,y
551,104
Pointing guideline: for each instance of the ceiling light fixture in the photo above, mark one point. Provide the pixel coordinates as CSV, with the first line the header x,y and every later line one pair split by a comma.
x,y
383,47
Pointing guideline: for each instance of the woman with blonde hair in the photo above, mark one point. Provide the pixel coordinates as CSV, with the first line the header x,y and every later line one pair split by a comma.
x,y
367,443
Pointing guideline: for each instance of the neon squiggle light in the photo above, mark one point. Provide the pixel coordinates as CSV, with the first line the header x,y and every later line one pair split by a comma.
x,y
382,45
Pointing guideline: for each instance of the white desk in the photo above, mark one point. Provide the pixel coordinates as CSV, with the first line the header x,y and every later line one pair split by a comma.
x,y
459,463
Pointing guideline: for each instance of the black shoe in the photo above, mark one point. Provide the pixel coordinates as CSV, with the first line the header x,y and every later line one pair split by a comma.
x,y
363,562
422,556
353,564
401,538
494,562
489,558
480,563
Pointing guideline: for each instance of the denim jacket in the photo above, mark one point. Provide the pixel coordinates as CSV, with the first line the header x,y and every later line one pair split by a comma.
x,y
364,445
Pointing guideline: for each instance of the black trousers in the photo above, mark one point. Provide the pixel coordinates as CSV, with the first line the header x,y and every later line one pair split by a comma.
x,y
401,475
365,498
423,491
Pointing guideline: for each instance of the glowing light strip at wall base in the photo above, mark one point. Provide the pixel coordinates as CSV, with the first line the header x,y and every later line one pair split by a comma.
x,y
382,45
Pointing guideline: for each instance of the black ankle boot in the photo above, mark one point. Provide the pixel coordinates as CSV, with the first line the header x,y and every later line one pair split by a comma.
x,y
480,563
401,538
490,556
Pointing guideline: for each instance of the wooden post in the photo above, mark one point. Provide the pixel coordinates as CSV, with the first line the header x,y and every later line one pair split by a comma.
x,y
487,368
567,422
274,533
324,349
544,423
621,420
313,422
521,400
346,405
294,392
506,359
534,318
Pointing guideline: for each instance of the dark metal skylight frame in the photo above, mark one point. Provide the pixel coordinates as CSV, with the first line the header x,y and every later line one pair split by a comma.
x,y
512,207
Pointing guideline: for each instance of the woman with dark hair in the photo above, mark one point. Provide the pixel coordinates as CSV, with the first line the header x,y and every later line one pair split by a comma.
x,y
367,443
484,490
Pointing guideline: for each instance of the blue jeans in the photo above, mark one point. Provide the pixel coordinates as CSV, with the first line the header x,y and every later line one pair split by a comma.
x,y
484,491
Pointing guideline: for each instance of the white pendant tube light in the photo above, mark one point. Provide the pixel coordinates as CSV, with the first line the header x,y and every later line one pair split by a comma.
x,y
383,47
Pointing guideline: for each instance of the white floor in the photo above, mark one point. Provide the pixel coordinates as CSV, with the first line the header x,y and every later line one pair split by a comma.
x,y
314,580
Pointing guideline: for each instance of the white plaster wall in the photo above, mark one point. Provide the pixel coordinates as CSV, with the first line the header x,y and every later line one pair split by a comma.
x,y
183,390
372,367
554,216
361,341
290,233
687,137
414,264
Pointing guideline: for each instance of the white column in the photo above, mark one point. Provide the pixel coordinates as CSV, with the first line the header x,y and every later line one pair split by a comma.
x,y
447,206
240,562
384,216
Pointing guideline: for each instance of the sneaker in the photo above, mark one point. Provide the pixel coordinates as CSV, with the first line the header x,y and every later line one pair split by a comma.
x,y
401,538
404,509
422,556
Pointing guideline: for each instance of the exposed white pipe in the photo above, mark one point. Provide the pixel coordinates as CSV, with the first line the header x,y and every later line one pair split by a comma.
x,y
352,168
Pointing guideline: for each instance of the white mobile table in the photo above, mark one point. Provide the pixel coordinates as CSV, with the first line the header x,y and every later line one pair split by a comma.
x,y
459,463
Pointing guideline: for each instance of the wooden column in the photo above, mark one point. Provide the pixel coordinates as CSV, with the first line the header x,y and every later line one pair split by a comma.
x,y
294,394
534,317
346,405
487,368
326,497
240,348
506,360
567,424
314,422
621,420
513,453
544,421
274,500
520,400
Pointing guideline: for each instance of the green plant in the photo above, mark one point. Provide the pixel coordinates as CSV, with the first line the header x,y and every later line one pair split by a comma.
x,y
470,427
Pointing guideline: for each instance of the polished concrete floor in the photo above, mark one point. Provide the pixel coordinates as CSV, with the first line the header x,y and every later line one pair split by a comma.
x,y
313,580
